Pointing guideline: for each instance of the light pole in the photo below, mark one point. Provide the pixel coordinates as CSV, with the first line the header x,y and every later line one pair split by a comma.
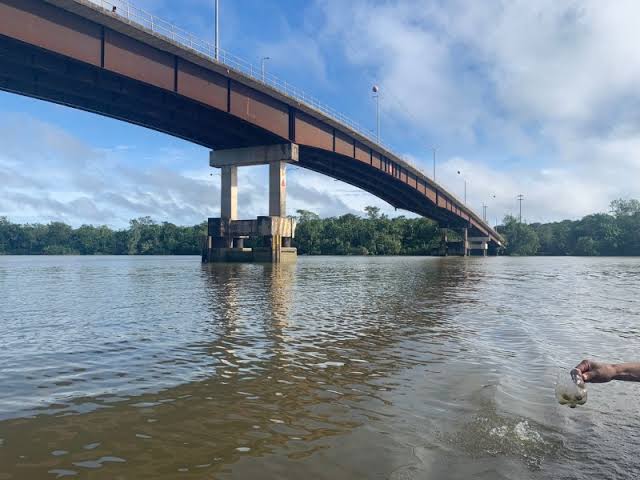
x,y
264,60
434,163
465,186
484,207
376,95
217,44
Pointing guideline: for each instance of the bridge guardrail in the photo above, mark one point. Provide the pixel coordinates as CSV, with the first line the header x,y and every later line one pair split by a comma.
x,y
132,14
128,12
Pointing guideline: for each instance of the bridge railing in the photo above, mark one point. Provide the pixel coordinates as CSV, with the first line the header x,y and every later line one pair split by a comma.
x,y
128,12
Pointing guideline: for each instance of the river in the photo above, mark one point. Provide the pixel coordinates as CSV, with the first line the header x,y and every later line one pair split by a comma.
x,y
333,368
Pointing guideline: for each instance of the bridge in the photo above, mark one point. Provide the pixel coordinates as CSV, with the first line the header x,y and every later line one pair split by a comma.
x,y
110,58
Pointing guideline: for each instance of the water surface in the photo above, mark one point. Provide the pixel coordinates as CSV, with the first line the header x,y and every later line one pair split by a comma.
x,y
336,368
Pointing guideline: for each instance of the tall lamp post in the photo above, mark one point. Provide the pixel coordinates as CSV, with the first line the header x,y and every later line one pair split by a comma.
x,y
484,207
264,60
376,95
217,26
434,163
465,186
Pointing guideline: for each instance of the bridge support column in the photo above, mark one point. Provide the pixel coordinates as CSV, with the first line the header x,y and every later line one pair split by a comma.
x,y
456,247
465,242
226,236
479,245
444,242
229,192
277,189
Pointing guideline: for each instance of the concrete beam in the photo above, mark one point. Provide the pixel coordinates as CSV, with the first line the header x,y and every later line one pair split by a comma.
x,y
246,157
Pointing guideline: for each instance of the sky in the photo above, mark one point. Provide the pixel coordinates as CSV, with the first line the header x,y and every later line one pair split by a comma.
x,y
533,98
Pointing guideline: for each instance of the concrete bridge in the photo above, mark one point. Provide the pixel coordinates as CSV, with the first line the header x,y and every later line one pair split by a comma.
x,y
103,57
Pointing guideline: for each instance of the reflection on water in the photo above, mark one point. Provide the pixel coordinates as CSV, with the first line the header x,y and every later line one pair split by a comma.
x,y
331,368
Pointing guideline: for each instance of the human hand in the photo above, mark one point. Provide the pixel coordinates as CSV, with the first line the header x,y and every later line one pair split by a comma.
x,y
595,372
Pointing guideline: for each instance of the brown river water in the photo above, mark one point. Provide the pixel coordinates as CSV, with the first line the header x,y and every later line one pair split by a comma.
x,y
333,368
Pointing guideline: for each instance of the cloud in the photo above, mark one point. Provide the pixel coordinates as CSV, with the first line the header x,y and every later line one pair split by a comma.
x,y
530,97
49,174
525,97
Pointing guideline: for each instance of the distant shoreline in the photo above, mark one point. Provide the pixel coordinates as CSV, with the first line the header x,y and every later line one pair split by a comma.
x,y
613,234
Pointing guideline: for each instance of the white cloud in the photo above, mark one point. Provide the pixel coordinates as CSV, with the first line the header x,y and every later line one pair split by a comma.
x,y
49,174
549,84
543,91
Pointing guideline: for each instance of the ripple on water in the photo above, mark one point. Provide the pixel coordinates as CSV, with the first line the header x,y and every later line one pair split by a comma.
x,y
60,473
94,464
330,346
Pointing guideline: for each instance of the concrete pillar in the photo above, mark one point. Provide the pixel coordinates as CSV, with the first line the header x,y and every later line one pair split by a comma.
x,y
277,189
444,242
465,242
238,242
229,193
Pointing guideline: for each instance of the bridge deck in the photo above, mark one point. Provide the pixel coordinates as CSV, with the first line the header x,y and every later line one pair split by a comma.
x,y
75,53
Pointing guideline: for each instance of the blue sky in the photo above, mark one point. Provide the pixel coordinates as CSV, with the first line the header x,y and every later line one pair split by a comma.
x,y
537,98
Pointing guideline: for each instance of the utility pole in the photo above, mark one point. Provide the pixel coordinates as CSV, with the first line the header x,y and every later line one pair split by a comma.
x,y
217,17
520,198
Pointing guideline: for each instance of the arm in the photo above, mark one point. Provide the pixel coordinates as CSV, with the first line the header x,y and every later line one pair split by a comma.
x,y
629,372
595,372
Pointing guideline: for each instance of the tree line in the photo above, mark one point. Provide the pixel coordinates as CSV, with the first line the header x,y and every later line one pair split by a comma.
x,y
615,233
143,237
376,234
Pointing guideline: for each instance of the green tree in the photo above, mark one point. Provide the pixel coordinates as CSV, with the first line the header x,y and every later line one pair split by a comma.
x,y
373,213
521,238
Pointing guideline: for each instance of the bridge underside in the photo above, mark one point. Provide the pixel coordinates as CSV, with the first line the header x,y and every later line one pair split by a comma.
x,y
398,195
31,71
35,72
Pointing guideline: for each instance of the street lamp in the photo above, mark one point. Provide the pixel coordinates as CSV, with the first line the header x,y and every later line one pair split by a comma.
x,y
264,60
434,163
376,95
484,208
217,19
465,187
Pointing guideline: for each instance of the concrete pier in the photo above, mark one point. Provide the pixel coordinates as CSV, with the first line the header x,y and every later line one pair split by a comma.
x,y
478,246
225,241
467,246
